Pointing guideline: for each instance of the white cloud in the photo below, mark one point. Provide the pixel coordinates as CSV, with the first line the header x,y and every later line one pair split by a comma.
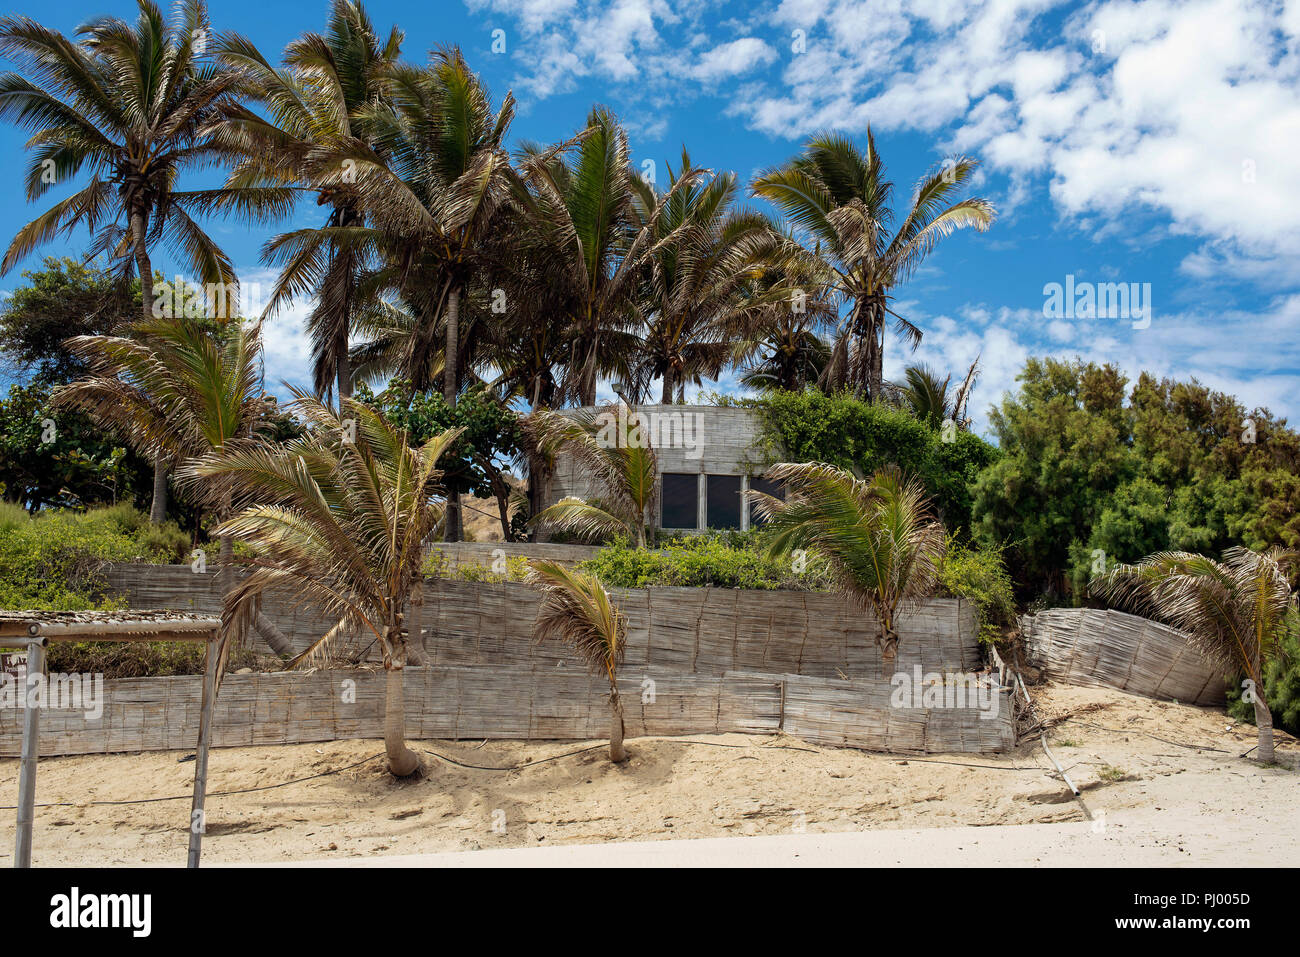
x,y
733,59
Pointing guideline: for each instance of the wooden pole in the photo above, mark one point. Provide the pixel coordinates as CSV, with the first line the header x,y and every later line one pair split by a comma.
x,y
31,749
198,822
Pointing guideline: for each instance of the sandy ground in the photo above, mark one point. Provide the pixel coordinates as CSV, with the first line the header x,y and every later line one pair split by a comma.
x,y
1153,799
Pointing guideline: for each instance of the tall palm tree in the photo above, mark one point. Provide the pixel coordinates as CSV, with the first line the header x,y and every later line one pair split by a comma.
x,y
577,609
581,220
691,296
877,536
313,117
129,104
339,516
1234,612
791,355
610,448
436,205
836,195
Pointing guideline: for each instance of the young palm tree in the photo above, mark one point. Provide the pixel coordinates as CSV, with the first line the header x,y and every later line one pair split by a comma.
x,y
930,398
312,110
179,389
577,609
877,536
339,517
613,451
1234,612
837,196
692,295
130,105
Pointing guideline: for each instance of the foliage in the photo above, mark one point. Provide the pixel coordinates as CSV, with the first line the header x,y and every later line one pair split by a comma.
x,y
515,569
697,561
1087,479
135,659
979,575
861,437
79,465
64,298
1281,685
55,560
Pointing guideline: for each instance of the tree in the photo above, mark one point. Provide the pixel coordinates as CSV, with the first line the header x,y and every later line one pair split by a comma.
x,y
932,400
338,516
312,114
612,450
577,610
64,298
837,196
580,220
131,104
692,294
1235,612
877,536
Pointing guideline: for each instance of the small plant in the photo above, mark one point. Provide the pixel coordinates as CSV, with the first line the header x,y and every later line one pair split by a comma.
x,y
1110,774
980,576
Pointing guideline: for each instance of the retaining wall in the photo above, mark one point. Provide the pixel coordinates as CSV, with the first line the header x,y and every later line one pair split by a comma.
x,y
155,714
691,630
1111,649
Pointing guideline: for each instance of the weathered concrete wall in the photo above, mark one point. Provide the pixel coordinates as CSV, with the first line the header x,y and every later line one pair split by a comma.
x,y
540,703
1111,649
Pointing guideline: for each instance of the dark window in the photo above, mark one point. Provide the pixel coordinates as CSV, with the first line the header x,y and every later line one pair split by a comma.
x,y
681,498
724,501
766,486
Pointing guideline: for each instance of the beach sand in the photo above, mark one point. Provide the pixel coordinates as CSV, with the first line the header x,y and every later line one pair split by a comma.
x,y
1147,776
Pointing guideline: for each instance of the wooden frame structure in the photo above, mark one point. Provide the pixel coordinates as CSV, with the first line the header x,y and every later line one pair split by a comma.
x,y
36,629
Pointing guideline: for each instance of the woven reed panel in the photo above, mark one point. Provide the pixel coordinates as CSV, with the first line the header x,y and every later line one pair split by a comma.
x,y
1112,649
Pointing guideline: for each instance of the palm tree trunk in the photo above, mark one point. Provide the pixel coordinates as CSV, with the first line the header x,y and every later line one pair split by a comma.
x,y
343,370
888,641
158,508
415,624
667,398
617,753
451,360
402,761
275,639
1263,722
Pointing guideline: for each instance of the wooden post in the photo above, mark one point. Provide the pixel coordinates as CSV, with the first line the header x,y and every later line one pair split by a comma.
x,y
31,749
198,822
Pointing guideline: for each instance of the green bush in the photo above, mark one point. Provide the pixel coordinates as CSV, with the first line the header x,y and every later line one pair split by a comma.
x,y
55,560
727,560
980,576
845,431
137,659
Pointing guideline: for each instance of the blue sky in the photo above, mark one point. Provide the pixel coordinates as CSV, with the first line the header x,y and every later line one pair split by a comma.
x,y
1151,143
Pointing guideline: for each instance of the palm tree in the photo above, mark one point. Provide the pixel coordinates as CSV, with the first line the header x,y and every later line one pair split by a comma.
x,y
129,104
691,296
313,111
837,196
338,516
878,537
582,222
1234,612
791,354
577,609
611,449
930,400
179,389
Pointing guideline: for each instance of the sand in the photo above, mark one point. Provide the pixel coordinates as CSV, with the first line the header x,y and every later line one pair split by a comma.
x,y
1145,791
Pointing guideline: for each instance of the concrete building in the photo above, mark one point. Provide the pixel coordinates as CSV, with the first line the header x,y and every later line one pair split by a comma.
x,y
708,457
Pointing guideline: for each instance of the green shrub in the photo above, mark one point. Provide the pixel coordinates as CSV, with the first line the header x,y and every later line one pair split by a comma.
x,y
980,576
700,560
137,659
12,517
55,561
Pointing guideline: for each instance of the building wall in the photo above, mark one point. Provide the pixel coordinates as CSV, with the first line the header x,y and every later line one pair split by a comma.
x,y
699,440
